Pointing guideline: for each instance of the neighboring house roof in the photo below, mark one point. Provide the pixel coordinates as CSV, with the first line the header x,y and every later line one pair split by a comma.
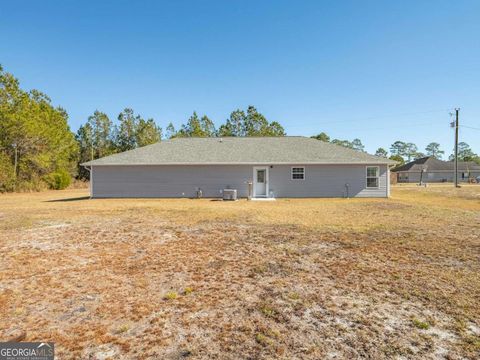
x,y
240,150
432,164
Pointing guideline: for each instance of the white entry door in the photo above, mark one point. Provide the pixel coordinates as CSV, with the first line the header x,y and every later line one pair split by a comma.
x,y
260,182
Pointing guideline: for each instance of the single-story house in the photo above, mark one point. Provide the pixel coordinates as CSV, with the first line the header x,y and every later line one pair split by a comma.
x,y
257,167
430,169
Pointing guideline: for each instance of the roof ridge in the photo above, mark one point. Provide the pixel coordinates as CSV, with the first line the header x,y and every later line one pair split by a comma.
x,y
239,137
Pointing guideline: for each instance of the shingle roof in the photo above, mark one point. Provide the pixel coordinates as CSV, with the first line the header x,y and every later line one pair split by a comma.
x,y
430,163
240,150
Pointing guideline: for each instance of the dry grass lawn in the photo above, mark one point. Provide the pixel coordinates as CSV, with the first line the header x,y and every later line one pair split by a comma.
x,y
313,278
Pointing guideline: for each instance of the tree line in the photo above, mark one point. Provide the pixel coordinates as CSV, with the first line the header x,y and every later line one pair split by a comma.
x,y
38,150
99,137
402,151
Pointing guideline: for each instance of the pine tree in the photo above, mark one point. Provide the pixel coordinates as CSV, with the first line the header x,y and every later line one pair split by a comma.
x,y
147,132
126,131
170,131
381,152
433,149
101,134
235,124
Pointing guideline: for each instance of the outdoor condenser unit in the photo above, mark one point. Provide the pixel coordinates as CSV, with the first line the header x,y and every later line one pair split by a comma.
x,y
230,194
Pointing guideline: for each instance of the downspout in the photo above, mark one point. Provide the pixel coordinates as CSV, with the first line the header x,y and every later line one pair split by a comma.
x,y
90,170
388,181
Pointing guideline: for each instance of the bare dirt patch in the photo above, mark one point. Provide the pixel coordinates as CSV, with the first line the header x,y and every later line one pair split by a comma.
x,y
196,279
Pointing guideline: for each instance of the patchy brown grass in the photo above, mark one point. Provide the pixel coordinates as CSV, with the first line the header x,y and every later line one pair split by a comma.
x,y
311,278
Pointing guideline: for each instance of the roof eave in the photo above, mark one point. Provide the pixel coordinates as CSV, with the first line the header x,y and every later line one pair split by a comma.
x,y
247,163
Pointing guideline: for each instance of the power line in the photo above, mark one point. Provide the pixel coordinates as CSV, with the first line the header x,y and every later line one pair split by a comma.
x,y
384,117
469,127
403,126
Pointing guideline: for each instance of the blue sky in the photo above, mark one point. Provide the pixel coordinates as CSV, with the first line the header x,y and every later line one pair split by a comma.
x,y
378,70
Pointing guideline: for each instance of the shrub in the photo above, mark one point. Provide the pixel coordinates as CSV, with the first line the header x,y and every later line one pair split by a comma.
x,y
420,324
35,183
268,311
188,290
294,296
171,295
58,180
123,328
262,339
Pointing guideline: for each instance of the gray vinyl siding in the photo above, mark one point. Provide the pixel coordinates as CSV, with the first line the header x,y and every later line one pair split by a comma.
x,y
169,181
326,181
172,181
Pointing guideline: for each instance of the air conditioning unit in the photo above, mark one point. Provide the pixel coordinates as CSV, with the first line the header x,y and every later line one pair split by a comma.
x,y
229,194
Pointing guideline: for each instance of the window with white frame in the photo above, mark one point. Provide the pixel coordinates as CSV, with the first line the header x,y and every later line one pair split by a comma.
x,y
298,173
372,176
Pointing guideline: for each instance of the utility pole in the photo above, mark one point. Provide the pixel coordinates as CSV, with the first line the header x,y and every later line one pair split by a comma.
x,y
456,147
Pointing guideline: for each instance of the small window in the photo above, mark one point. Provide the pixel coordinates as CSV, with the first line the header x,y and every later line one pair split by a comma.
x,y
298,173
260,176
372,176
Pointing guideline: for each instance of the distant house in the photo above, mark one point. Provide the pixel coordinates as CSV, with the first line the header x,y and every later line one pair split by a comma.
x,y
435,170
257,167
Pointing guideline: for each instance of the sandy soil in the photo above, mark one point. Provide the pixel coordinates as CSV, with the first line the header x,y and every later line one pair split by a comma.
x,y
312,278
